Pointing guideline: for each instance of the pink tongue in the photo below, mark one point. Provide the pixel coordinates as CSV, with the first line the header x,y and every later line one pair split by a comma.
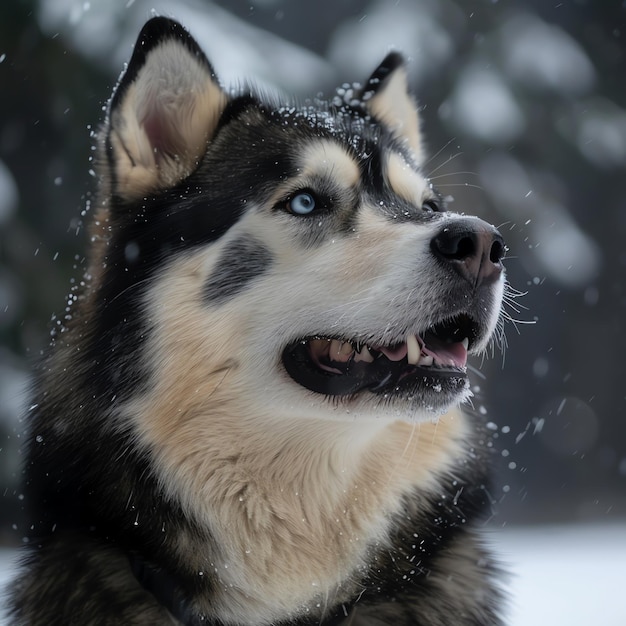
x,y
444,354
450,354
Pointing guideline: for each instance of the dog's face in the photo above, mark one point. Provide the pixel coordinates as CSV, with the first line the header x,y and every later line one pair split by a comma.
x,y
286,261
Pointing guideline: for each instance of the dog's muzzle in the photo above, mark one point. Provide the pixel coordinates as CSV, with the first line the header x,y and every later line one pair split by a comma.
x,y
432,362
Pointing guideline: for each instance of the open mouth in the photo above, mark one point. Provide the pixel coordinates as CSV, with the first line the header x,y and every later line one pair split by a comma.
x,y
339,367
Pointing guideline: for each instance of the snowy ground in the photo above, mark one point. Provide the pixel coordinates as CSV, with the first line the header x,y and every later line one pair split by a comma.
x,y
566,575
561,575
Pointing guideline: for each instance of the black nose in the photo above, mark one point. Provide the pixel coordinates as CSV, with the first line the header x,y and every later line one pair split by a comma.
x,y
473,248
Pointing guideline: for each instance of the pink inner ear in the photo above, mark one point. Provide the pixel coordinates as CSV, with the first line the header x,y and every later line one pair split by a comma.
x,y
157,128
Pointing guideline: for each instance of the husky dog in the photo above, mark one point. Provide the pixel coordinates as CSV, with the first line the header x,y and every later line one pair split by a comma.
x,y
250,415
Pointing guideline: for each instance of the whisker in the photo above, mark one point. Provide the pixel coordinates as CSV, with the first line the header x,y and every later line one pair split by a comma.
x,y
133,286
469,185
503,224
452,174
434,156
451,158
476,371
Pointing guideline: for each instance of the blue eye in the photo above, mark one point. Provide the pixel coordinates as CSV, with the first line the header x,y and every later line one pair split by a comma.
x,y
302,203
431,206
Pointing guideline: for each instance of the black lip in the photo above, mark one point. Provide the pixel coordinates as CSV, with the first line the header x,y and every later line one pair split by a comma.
x,y
383,376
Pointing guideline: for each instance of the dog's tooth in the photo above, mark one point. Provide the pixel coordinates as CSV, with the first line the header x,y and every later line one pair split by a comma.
x,y
319,347
346,349
425,360
412,349
465,343
364,355
335,347
340,351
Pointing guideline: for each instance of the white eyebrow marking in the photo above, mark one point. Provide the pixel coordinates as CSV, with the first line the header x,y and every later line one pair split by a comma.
x,y
404,180
328,159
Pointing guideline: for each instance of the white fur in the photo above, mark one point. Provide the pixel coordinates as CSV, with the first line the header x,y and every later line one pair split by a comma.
x,y
405,180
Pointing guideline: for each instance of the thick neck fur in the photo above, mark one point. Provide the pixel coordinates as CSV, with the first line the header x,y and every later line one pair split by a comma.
x,y
274,494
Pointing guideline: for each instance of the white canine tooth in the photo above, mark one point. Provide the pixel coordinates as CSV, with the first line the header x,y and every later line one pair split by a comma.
x,y
335,348
426,360
465,343
346,348
364,355
412,350
340,350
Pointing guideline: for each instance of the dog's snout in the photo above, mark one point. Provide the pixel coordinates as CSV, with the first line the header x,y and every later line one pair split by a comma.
x,y
473,248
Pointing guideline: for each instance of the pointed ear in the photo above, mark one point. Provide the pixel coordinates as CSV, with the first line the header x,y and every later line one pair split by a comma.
x,y
162,114
386,96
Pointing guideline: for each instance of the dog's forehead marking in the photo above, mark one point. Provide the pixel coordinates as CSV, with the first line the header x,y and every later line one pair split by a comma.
x,y
404,180
330,160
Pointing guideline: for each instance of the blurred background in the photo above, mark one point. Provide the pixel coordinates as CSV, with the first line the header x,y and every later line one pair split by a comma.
x,y
524,107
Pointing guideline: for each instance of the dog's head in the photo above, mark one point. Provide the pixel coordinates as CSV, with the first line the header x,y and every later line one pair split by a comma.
x,y
288,260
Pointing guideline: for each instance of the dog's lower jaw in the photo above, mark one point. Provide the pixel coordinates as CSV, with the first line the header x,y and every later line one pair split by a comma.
x,y
377,410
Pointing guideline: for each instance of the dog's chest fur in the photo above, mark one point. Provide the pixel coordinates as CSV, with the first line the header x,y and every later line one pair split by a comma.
x,y
295,514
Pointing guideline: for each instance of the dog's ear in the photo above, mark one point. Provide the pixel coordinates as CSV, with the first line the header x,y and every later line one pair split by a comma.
x,y
163,112
387,98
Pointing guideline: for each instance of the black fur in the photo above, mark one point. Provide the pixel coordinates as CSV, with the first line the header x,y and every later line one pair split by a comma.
x,y
242,261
